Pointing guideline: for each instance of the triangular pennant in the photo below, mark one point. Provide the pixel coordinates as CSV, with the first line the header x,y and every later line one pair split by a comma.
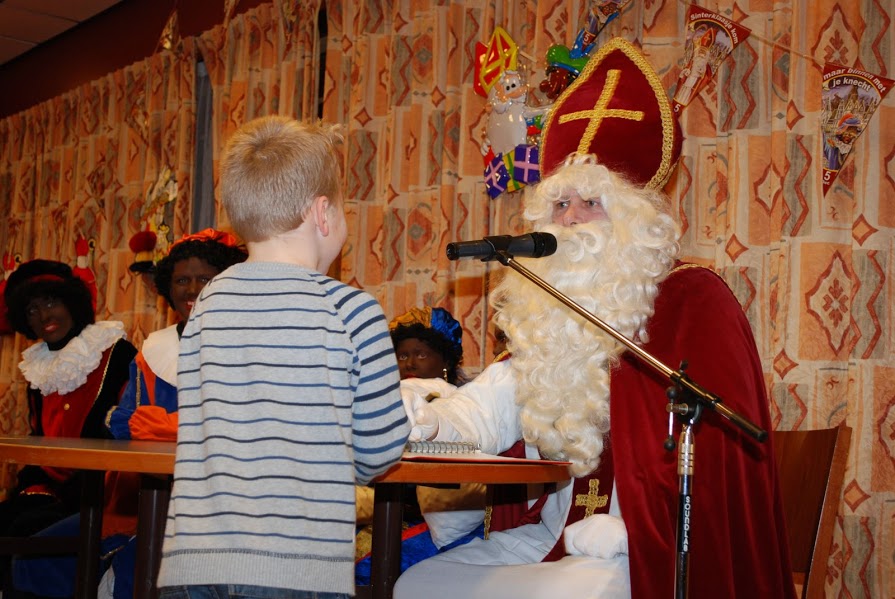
x,y
170,34
849,97
710,38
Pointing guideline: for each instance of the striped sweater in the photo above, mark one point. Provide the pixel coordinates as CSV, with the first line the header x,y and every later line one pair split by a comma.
x,y
288,393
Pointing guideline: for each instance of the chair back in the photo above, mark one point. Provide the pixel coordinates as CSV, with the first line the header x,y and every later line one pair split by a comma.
x,y
811,469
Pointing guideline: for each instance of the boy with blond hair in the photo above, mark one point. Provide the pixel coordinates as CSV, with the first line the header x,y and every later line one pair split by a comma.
x,y
288,387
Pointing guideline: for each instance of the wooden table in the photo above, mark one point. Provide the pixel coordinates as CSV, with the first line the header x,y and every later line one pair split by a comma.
x,y
95,457
151,459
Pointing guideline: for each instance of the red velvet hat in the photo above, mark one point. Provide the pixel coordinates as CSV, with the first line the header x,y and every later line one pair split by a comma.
x,y
618,110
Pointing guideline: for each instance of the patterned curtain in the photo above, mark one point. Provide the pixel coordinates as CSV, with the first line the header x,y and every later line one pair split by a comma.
x,y
263,62
88,163
811,271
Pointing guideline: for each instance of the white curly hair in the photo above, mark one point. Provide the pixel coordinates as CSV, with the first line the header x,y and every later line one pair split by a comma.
x,y
610,267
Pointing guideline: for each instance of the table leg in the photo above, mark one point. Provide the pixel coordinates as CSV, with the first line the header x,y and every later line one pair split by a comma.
x,y
385,557
151,516
92,483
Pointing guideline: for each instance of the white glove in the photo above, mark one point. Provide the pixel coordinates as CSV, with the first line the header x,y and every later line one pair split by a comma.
x,y
600,535
422,419
425,423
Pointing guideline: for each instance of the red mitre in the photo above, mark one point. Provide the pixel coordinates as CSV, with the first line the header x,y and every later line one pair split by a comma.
x,y
618,110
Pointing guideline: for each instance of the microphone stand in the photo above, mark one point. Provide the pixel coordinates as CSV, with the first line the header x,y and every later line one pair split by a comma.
x,y
688,400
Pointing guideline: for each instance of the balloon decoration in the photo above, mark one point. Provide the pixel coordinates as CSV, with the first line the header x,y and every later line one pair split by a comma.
x,y
564,64
510,143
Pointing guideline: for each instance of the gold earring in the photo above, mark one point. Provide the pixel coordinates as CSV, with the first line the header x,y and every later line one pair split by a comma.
x,y
444,370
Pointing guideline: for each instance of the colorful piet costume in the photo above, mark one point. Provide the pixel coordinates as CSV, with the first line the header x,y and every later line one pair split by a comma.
x,y
570,391
148,407
441,518
70,388
70,391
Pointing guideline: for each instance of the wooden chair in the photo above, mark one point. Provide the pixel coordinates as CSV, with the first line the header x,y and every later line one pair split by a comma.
x,y
811,466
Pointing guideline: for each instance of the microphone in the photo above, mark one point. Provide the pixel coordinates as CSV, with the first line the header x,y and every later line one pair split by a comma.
x,y
530,245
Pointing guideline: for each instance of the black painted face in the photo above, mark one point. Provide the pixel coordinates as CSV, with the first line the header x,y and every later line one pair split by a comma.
x,y
49,318
417,359
188,277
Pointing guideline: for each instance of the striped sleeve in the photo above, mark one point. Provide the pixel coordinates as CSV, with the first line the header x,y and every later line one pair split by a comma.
x,y
379,422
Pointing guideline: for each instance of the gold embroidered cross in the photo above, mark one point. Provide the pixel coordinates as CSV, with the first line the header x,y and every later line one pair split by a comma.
x,y
592,500
599,112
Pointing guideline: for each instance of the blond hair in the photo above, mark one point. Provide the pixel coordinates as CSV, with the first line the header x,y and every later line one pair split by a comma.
x,y
273,168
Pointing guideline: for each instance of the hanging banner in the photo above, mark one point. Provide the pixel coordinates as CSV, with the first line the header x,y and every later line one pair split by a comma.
x,y
849,97
710,38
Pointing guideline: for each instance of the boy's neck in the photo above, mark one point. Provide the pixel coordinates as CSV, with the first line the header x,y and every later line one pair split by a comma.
x,y
292,247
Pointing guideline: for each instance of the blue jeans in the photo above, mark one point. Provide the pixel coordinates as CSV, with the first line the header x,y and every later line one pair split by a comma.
x,y
241,591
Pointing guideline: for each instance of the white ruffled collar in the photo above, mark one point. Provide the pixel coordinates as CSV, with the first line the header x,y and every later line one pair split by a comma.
x,y
160,350
65,370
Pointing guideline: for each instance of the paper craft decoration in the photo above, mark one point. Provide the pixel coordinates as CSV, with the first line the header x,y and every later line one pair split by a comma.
x,y
710,38
849,99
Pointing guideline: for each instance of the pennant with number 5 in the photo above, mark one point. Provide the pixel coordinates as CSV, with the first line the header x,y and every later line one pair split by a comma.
x,y
850,97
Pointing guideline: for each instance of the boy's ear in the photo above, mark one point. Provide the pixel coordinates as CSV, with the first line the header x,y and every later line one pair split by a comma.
x,y
320,214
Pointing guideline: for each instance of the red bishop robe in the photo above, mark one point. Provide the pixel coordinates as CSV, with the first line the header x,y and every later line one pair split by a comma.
x,y
738,540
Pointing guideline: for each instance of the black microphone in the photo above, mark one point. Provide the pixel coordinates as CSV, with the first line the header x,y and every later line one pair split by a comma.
x,y
530,245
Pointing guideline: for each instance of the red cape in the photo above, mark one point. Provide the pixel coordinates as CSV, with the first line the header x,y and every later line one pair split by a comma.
x,y
738,540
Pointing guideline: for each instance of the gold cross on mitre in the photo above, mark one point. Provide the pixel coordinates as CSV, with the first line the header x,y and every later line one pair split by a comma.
x,y
592,501
600,111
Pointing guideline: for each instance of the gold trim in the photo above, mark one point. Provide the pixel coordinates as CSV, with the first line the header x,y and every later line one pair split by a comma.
x,y
102,381
689,265
488,510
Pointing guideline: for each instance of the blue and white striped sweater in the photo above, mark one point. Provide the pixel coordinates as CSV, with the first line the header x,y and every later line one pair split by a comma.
x,y
288,396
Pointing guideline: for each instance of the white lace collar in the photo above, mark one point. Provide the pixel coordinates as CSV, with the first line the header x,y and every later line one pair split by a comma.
x,y
65,370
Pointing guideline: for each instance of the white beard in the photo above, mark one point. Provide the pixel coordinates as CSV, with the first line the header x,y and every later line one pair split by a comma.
x,y
561,360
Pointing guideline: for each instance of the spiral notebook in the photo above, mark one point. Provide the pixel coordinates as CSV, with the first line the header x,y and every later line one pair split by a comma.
x,y
443,447
459,451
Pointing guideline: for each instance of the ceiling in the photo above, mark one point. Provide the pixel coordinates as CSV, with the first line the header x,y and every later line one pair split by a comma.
x,y
25,24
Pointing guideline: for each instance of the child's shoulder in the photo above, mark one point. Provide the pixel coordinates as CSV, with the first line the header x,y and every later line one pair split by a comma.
x,y
336,288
